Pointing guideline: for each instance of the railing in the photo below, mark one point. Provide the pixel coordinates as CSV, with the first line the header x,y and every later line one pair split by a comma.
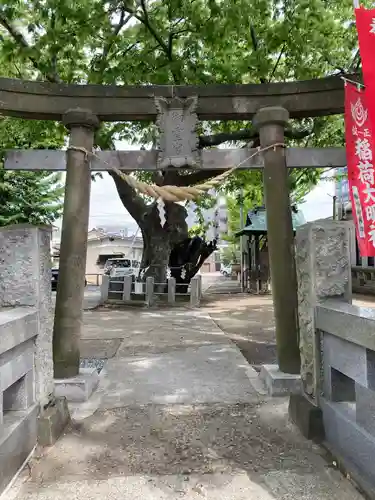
x,y
126,289
346,334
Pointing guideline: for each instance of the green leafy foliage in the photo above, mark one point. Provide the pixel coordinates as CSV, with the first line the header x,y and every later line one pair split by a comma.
x,y
29,197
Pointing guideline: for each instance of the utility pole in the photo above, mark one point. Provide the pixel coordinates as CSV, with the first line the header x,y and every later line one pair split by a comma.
x,y
334,199
241,240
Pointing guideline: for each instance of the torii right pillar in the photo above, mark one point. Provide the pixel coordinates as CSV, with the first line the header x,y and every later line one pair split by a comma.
x,y
271,122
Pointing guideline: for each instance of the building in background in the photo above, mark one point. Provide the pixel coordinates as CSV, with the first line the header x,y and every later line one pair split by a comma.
x,y
342,192
55,245
103,243
110,242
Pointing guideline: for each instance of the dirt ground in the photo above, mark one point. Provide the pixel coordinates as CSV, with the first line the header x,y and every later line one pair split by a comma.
x,y
248,321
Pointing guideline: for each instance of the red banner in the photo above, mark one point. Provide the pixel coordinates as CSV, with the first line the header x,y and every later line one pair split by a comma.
x,y
366,36
360,154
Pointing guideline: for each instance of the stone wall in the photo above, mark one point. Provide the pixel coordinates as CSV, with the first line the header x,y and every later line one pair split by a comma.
x,y
323,271
26,365
348,396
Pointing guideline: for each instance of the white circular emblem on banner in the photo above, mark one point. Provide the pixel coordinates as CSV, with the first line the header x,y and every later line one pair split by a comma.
x,y
359,113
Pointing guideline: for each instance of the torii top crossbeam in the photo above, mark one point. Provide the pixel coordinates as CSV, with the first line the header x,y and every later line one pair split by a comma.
x,y
49,101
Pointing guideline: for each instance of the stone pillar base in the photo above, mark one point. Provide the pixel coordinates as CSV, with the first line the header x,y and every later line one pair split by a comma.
x,y
278,383
52,422
78,389
307,417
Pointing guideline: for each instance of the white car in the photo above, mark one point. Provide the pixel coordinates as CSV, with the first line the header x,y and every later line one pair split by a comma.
x,y
121,267
226,270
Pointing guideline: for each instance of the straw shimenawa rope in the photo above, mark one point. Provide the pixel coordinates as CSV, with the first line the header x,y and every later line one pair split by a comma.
x,y
175,193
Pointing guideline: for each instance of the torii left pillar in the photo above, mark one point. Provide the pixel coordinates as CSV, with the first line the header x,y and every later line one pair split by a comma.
x,y
72,267
271,124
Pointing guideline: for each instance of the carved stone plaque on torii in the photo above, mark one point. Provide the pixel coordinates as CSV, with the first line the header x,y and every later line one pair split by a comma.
x,y
176,111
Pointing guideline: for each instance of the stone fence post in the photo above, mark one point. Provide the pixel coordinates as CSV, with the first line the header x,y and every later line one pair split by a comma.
x,y
150,285
25,272
195,291
171,290
104,288
127,291
323,271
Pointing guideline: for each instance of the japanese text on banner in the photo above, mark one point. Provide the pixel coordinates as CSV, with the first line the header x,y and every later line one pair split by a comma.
x,y
361,170
365,19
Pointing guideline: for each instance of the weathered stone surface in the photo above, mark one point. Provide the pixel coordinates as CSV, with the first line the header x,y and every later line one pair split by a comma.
x,y
323,271
349,322
365,409
307,417
55,160
345,357
48,101
350,441
178,141
78,388
17,326
17,440
52,422
278,383
25,251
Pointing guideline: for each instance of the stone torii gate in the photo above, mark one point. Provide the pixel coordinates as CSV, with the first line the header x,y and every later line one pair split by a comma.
x,y
82,108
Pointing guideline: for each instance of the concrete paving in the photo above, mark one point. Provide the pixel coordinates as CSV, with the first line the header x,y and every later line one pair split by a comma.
x,y
176,416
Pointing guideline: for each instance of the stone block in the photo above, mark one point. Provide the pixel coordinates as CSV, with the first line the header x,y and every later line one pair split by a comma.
x,y
346,321
25,271
365,414
17,326
20,395
79,388
278,383
346,438
16,368
370,362
17,440
52,422
307,417
346,357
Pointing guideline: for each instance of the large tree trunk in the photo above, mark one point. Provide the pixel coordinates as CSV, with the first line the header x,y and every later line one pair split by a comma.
x,y
158,241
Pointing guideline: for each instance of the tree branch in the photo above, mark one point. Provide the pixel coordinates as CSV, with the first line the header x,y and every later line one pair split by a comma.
x,y
21,41
277,62
108,47
166,47
146,22
133,203
243,135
